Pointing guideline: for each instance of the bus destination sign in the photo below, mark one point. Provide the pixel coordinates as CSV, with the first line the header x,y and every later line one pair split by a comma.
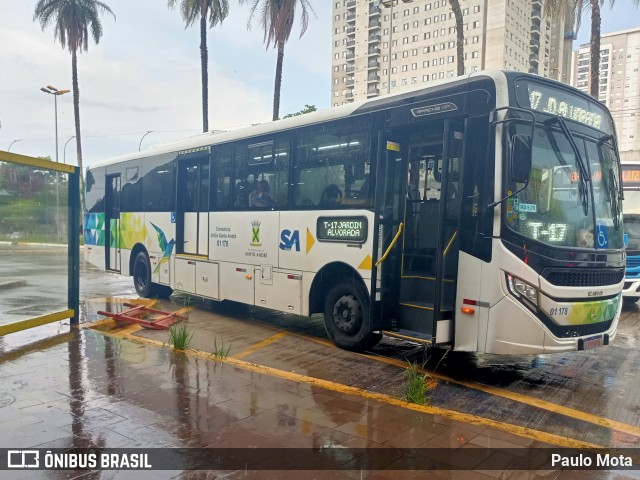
x,y
342,229
557,101
631,175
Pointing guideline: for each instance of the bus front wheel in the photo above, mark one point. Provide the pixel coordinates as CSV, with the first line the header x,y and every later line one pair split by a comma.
x,y
346,317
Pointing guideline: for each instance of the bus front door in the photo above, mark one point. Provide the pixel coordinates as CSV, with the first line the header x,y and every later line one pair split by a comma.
x,y
431,211
112,236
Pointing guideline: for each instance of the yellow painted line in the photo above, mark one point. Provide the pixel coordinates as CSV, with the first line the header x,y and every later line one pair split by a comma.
x,y
129,329
147,302
183,310
517,397
35,162
267,341
533,434
498,392
35,322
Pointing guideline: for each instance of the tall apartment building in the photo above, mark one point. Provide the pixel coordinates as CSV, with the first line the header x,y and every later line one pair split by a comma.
x,y
619,85
382,46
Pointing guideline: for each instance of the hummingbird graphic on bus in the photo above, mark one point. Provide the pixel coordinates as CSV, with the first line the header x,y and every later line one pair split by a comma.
x,y
166,248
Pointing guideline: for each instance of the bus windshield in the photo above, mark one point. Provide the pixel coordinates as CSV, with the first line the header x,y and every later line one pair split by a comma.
x,y
560,207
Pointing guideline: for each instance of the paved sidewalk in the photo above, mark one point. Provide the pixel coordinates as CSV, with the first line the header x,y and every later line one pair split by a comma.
x,y
85,389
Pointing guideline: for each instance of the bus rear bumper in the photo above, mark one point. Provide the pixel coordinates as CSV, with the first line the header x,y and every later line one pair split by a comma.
x,y
512,333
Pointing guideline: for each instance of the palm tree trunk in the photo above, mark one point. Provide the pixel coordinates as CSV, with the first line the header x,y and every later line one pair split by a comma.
x,y
278,83
595,49
76,107
205,73
457,12
76,114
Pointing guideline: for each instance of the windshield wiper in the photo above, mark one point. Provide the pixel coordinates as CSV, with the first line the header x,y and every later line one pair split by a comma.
x,y
613,185
584,173
614,143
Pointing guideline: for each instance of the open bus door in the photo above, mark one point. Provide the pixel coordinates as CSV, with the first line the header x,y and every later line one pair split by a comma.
x,y
421,190
112,223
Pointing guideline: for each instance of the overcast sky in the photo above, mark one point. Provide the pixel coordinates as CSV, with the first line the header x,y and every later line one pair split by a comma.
x,y
145,75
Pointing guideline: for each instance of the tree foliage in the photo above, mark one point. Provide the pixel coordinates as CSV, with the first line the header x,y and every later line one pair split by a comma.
x,y
75,21
215,11
276,18
307,109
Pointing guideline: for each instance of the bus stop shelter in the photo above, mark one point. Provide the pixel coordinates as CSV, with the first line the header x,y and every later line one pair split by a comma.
x,y
40,222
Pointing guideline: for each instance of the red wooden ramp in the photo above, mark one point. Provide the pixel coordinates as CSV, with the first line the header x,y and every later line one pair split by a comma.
x,y
162,321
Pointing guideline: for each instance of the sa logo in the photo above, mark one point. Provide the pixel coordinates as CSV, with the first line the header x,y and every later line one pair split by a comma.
x,y
289,239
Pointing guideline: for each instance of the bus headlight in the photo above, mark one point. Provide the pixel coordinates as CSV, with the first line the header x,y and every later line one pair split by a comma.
x,y
524,292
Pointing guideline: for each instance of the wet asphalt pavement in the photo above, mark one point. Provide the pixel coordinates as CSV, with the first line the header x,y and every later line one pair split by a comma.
x,y
106,390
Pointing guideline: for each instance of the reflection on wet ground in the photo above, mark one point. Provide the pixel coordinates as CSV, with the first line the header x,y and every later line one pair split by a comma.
x,y
112,392
33,281
107,392
574,394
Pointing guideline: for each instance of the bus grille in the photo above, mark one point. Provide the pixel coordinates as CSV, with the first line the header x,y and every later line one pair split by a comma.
x,y
570,331
582,278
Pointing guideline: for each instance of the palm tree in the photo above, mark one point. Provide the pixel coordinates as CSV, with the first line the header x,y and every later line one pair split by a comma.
x,y
216,11
276,20
457,13
574,8
75,21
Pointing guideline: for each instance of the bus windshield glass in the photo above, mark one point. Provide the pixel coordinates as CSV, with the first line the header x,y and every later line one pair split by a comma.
x,y
558,206
631,184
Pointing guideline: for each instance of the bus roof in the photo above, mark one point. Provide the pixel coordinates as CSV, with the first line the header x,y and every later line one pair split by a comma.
x,y
321,116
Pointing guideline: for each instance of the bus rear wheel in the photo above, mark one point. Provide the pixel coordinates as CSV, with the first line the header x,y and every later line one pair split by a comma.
x,y
346,317
142,275
142,279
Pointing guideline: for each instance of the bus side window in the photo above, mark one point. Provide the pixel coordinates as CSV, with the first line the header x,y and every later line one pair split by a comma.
x,y
221,178
333,169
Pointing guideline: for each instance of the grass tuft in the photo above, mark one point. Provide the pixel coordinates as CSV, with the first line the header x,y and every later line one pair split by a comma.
x,y
415,388
179,336
221,351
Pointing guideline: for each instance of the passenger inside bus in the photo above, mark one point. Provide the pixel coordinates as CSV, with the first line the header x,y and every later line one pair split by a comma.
x,y
243,190
261,198
331,196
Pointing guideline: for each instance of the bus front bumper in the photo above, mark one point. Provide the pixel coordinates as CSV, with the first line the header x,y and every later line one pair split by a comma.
x,y
512,332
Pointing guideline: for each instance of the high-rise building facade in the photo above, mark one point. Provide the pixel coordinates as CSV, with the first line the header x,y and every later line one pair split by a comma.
x,y
619,86
384,46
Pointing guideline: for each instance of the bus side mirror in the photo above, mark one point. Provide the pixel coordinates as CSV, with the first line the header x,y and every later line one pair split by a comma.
x,y
520,158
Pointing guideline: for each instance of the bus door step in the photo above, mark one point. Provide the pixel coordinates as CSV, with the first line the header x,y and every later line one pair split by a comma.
x,y
411,335
162,321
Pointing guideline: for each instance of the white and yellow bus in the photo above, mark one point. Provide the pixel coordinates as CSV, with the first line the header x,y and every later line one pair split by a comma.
x,y
430,215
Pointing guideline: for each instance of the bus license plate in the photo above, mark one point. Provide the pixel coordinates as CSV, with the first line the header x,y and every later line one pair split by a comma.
x,y
592,342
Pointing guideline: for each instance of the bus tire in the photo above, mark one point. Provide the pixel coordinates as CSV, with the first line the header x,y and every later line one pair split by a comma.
x,y
630,300
346,317
142,275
